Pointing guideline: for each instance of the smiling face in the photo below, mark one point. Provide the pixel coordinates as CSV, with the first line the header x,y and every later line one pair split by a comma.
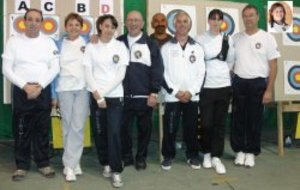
x,y
33,23
107,30
134,23
73,28
278,14
183,24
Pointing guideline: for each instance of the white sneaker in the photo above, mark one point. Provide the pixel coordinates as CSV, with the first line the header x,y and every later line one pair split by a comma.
x,y
218,165
106,171
207,161
70,175
117,180
240,159
249,160
78,170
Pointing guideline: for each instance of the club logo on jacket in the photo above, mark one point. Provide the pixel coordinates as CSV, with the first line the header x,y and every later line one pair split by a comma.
x,y
192,57
55,52
138,54
258,45
116,58
82,49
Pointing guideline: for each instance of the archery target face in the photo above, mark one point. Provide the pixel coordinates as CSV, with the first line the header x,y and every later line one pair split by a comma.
x,y
295,35
292,77
88,26
227,25
49,26
230,21
17,24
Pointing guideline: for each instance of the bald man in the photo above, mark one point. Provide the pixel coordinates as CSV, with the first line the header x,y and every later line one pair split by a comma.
x,y
143,80
160,23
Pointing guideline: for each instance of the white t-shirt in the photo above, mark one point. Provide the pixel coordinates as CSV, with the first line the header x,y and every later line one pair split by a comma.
x,y
217,71
71,76
105,67
34,60
252,54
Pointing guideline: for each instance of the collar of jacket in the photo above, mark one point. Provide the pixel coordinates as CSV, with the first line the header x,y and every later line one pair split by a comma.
x,y
190,40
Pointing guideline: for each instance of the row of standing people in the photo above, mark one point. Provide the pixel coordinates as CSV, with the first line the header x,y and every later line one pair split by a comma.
x,y
181,70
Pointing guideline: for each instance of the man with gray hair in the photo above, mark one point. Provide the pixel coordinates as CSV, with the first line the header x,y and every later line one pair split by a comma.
x,y
183,60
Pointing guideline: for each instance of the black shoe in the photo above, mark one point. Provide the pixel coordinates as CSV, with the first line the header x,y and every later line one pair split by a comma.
x,y
128,162
166,164
140,164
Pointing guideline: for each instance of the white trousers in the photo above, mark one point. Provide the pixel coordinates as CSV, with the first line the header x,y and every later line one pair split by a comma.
x,y
74,106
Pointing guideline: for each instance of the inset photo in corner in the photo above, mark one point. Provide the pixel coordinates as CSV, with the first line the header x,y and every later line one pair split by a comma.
x,y
280,16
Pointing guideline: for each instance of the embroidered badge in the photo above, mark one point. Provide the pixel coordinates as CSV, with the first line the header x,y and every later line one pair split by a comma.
x,y
258,45
192,57
116,58
138,54
82,49
55,52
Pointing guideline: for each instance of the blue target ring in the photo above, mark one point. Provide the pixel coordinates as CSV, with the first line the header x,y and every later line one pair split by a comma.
x,y
295,36
170,17
229,22
292,75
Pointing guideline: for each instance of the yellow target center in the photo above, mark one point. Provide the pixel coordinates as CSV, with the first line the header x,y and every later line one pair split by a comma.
x,y
84,27
21,25
48,26
223,26
297,77
296,29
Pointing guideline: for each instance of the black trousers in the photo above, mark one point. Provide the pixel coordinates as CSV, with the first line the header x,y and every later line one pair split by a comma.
x,y
247,114
136,108
31,124
173,112
106,130
214,104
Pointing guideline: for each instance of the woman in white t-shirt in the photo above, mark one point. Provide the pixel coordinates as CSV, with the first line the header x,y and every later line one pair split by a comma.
x,y
277,18
69,92
105,66
216,92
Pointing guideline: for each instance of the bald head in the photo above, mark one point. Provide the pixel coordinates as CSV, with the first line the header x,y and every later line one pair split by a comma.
x,y
159,23
134,23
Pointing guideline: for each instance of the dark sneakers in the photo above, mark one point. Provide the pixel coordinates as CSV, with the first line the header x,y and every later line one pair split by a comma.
x,y
19,175
166,164
47,172
140,164
194,163
128,161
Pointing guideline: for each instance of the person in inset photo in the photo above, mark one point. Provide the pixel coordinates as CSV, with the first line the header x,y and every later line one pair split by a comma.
x,y
278,18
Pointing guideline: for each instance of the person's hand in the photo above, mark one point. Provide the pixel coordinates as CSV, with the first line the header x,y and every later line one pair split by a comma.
x,y
55,103
94,39
96,95
32,90
179,95
186,97
152,100
102,103
267,97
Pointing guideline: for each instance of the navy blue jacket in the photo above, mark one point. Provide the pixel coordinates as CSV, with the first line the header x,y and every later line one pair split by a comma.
x,y
142,78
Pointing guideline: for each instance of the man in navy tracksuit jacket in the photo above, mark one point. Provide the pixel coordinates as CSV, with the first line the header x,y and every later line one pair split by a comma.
x,y
143,80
